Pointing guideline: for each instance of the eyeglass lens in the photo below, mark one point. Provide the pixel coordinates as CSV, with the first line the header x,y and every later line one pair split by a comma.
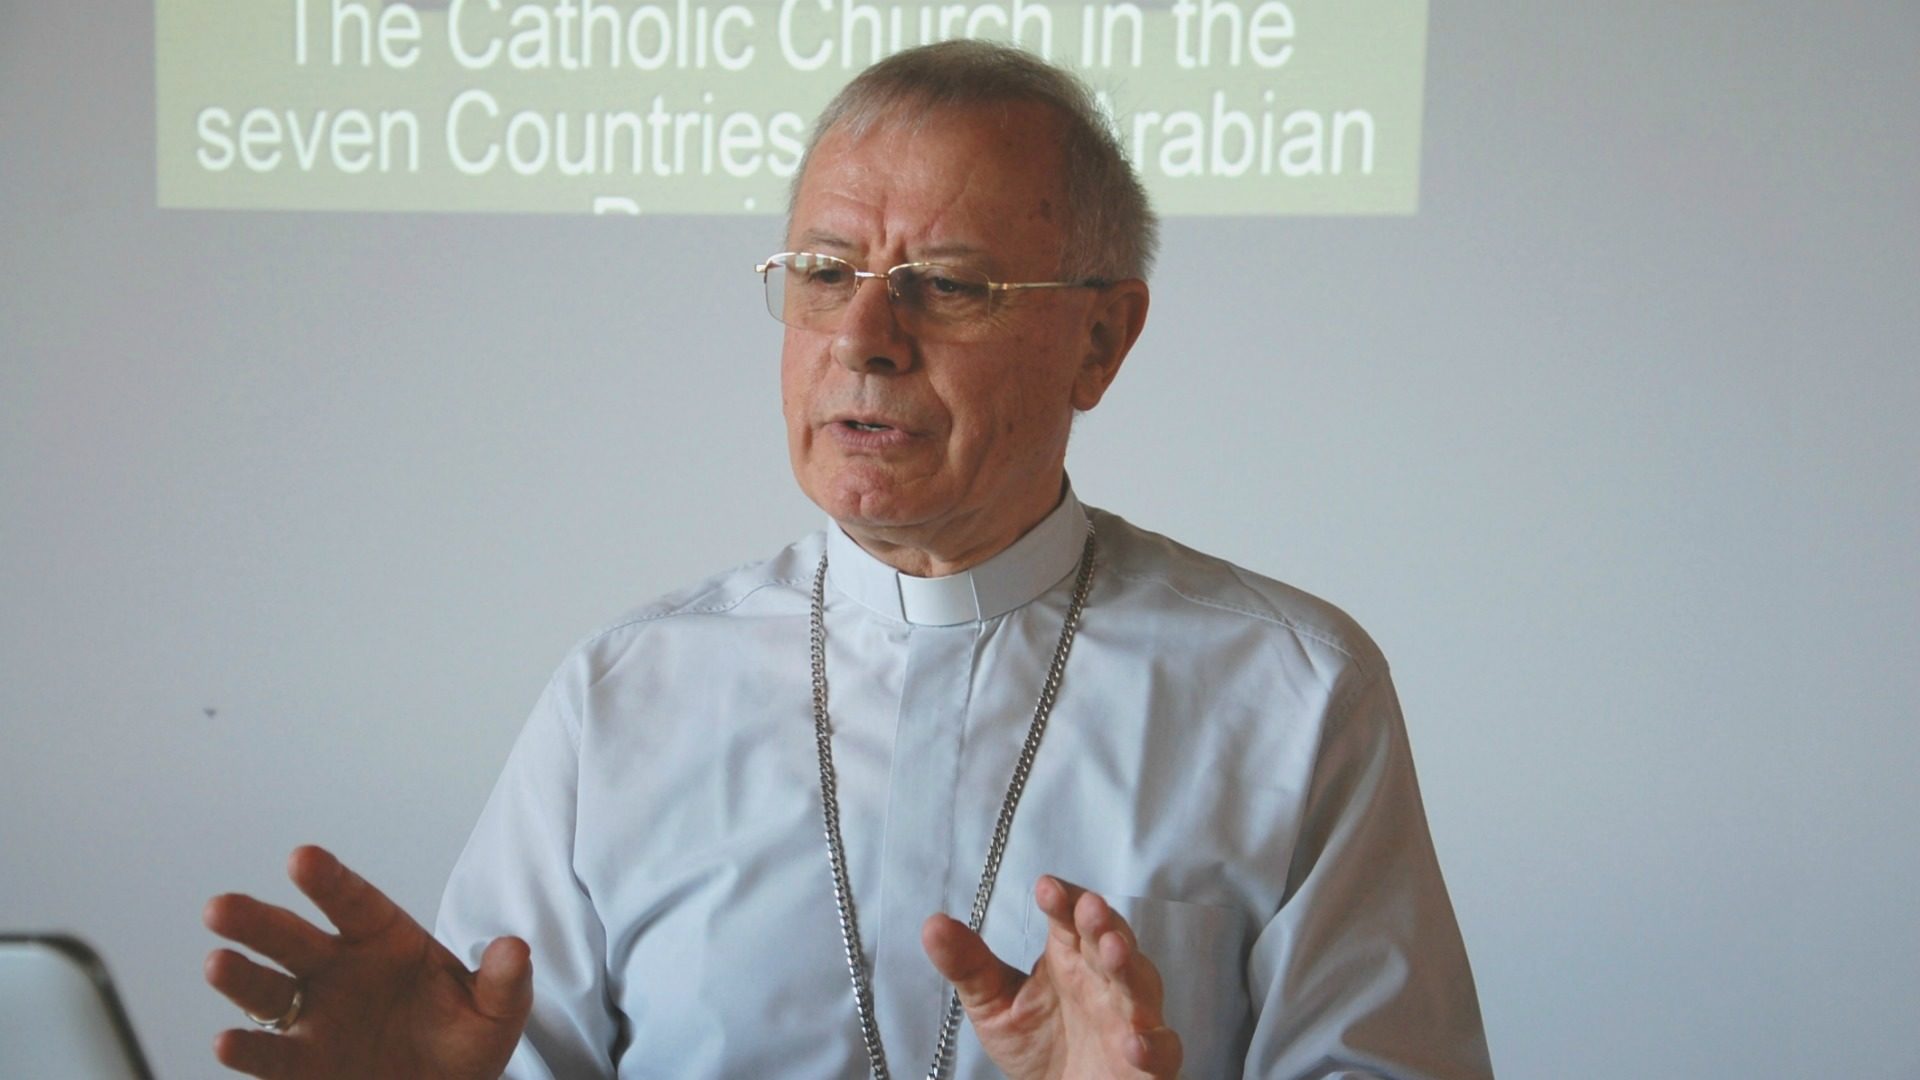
x,y
810,291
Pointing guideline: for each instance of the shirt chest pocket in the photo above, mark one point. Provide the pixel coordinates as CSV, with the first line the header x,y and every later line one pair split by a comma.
x,y
1201,953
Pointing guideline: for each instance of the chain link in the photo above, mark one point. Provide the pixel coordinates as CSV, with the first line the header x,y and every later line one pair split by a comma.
x,y
1003,825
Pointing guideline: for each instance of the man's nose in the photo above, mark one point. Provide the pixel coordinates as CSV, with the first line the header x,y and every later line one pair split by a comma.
x,y
871,340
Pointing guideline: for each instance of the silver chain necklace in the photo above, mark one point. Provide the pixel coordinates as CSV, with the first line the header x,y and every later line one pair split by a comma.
x,y
836,848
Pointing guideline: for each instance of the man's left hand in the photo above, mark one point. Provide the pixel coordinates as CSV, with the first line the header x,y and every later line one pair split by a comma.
x,y
1090,1009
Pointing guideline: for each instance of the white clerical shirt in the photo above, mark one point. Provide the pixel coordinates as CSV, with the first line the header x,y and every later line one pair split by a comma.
x,y
1226,763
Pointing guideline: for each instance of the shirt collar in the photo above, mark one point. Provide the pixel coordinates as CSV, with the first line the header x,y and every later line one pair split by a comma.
x,y
1033,564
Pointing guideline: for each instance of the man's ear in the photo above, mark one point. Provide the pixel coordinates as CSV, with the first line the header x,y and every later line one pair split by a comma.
x,y
1114,323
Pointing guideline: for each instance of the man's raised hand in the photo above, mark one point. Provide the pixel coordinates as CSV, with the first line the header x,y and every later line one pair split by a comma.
x,y
1089,1010
381,998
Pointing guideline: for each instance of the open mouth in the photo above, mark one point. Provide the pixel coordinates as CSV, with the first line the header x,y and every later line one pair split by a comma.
x,y
859,425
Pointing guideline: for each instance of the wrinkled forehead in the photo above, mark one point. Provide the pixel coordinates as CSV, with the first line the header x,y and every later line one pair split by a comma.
x,y
986,175
911,115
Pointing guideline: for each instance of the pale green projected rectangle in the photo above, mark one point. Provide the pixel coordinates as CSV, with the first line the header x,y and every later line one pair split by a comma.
x,y
1245,107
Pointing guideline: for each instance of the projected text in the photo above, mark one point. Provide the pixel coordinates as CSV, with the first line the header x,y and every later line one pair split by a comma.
x,y
1227,106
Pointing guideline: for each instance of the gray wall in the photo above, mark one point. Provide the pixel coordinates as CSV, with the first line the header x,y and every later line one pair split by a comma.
x,y
1613,446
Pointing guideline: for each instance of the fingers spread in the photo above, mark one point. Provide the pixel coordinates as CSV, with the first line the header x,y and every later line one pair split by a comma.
x,y
1082,921
357,908
257,1053
273,932
259,990
982,979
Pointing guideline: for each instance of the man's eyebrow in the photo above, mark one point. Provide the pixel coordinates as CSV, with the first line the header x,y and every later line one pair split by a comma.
x,y
834,243
950,248
814,238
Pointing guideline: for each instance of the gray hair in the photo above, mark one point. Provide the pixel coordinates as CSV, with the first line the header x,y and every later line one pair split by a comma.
x,y
1111,230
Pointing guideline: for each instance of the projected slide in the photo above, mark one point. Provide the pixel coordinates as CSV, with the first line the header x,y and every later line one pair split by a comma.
x,y
702,106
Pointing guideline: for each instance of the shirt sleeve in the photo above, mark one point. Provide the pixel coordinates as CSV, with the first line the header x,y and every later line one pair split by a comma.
x,y
516,877
1361,974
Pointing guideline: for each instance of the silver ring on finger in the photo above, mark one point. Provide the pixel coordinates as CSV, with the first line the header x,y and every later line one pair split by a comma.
x,y
277,1024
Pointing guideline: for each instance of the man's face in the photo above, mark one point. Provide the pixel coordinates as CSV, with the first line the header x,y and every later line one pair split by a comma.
x,y
977,429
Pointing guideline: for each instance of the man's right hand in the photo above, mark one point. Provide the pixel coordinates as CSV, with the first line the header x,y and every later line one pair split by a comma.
x,y
381,998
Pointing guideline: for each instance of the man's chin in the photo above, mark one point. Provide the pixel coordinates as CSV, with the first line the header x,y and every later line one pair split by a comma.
x,y
872,504
875,514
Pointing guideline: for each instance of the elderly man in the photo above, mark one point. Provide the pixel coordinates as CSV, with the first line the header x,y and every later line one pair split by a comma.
x,y
1173,800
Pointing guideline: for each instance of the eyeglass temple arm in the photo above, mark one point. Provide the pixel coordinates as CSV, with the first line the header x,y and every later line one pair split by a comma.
x,y
1090,283
997,286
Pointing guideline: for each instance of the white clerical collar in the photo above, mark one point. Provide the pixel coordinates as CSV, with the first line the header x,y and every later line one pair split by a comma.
x,y
1033,564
